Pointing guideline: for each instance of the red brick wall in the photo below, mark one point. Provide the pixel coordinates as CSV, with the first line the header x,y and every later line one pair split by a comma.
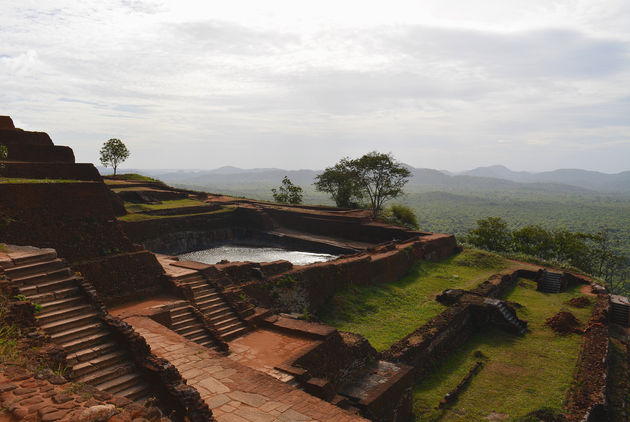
x,y
74,218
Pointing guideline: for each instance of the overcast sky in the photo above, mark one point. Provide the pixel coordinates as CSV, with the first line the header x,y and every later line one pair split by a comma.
x,y
447,84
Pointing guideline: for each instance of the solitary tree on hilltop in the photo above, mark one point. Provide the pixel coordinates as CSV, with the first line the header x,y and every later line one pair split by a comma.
x,y
287,193
113,153
376,177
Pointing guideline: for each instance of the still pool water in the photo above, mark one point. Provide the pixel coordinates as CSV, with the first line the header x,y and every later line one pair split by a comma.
x,y
242,253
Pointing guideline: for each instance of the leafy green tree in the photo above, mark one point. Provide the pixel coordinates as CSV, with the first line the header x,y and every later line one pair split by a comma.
x,y
113,153
341,182
573,248
380,177
533,240
491,234
376,177
287,193
4,153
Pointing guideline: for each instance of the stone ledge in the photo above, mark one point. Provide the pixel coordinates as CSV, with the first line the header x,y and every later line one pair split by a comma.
x,y
297,326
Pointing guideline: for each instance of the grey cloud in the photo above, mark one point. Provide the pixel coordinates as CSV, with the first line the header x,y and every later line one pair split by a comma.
x,y
543,53
229,38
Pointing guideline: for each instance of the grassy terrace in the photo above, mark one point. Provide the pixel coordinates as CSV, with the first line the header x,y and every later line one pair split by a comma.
x,y
131,177
18,180
165,205
388,312
521,374
133,217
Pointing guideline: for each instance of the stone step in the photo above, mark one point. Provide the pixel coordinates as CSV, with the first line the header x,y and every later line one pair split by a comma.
x,y
45,254
176,319
101,377
139,392
30,269
91,352
189,278
57,304
209,303
37,277
202,291
209,343
231,335
199,285
183,323
48,316
84,319
196,331
200,338
220,323
76,333
50,286
249,311
195,326
207,296
193,284
229,327
178,312
88,341
54,295
219,311
102,361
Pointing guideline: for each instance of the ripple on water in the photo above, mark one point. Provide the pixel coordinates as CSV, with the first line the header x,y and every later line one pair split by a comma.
x,y
242,253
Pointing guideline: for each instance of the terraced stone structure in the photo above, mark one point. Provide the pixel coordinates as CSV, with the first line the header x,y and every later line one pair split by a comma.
x,y
84,258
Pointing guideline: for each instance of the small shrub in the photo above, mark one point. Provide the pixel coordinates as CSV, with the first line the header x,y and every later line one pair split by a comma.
x,y
306,315
286,282
400,215
20,297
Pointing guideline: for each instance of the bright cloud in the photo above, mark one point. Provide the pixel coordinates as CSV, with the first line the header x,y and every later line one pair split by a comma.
x,y
191,84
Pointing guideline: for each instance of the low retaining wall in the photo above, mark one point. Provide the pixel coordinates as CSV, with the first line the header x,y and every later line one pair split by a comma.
x,y
498,284
339,226
307,287
123,277
430,344
586,400
177,235
69,171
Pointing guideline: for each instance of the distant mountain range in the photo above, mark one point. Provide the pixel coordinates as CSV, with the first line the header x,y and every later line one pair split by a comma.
x,y
594,180
493,177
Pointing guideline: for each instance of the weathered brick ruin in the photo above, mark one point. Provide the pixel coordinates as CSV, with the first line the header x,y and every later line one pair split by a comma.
x,y
222,341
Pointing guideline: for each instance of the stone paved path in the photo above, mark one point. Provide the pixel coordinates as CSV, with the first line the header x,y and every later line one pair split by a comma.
x,y
263,349
234,392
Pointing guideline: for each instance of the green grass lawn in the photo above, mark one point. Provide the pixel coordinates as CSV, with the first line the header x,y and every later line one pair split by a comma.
x,y
141,217
178,203
131,177
385,313
521,374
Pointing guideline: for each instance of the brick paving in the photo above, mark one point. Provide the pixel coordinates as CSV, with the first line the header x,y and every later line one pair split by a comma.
x,y
234,392
263,349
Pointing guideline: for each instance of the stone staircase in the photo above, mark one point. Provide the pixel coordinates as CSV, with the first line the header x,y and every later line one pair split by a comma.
x,y
184,322
550,282
66,315
620,310
224,320
508,316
